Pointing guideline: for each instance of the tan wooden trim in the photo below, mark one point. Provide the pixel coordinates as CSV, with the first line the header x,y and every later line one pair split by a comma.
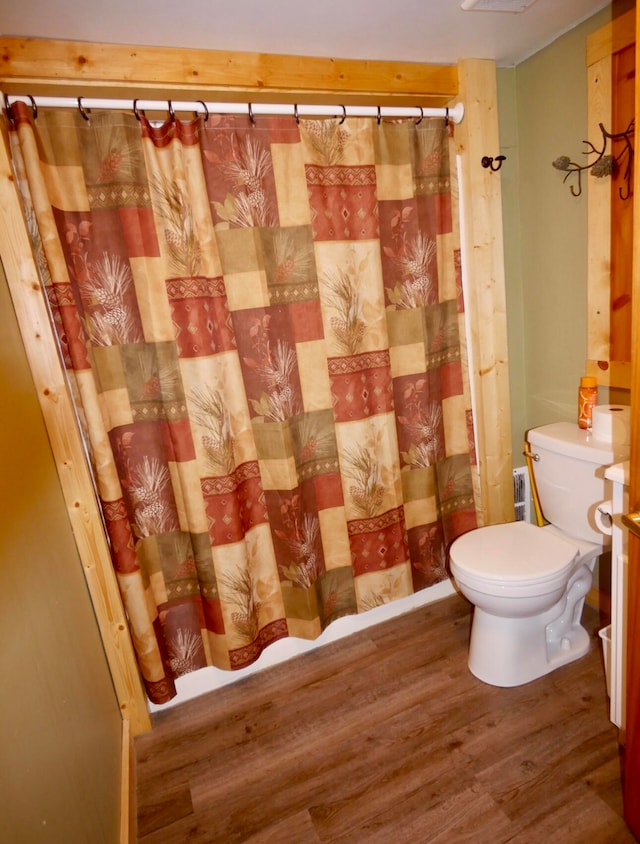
x,y
128,831
476,137
32,66
598,219
601,46
67,448
614,36
610,373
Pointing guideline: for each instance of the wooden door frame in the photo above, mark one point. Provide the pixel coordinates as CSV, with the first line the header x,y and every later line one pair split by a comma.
x,y
631,735
61,68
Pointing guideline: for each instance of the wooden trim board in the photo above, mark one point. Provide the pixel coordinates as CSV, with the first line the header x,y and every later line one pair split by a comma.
x,y
128,831
32,66
483,260
612,38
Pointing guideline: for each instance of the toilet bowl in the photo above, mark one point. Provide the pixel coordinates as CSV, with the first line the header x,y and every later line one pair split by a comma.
x,y
528,583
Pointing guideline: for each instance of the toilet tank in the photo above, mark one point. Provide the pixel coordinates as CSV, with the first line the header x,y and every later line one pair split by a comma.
x,y
568,467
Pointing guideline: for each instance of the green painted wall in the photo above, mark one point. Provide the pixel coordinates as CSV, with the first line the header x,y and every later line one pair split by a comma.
x,y
60,720
543,114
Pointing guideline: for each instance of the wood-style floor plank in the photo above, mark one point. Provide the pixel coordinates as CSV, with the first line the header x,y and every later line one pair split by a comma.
x,y
385,736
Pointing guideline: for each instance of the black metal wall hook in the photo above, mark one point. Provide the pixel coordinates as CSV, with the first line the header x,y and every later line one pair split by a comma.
x,y
488,162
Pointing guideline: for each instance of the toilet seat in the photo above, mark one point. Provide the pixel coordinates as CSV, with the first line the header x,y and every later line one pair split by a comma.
x,y
516,559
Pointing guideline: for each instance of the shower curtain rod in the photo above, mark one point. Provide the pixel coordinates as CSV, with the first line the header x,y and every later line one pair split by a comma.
x,y
85,104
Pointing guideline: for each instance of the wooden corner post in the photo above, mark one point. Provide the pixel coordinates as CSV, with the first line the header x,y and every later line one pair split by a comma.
x,y
483,265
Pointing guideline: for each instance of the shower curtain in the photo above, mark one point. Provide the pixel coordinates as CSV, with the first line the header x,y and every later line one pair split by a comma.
x,y
263,326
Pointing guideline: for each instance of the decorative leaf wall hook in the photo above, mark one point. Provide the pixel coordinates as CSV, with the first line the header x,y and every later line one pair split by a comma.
x,y
605,164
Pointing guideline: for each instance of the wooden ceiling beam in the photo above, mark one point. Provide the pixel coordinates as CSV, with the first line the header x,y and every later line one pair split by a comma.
x,y
68,68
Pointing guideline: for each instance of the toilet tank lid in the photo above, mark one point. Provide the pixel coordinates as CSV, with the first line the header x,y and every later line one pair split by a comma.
x,y
568,439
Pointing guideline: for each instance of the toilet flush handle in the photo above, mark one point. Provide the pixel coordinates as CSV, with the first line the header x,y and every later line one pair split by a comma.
x,y
530,455
632,521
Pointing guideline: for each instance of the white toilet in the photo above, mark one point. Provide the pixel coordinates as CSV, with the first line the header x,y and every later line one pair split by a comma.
x,y
528,583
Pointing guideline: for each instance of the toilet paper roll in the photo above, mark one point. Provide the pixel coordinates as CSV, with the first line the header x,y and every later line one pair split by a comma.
x,y
604,517
611,424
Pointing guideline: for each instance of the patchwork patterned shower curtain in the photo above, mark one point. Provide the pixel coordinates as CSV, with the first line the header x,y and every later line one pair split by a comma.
x,y
263,327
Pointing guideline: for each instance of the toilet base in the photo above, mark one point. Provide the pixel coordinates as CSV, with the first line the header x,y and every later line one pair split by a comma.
x,y
513,651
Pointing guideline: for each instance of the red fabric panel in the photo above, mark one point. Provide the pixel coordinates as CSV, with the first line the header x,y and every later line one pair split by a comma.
x,y
378,543
361,385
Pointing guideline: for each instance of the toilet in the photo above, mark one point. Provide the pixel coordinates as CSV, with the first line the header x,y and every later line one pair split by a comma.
x,y
528,583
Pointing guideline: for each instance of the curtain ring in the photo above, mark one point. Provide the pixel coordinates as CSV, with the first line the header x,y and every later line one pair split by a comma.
x,y
379,116
136,111
83,111
344,115
171,112
295,114
419,120
251,117
34,107
206,111
446,116
8,109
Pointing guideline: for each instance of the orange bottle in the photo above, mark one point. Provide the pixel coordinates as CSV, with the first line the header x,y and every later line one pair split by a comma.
x,y
587,399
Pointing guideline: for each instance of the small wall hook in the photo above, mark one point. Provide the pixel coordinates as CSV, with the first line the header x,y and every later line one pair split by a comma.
x,y
488,162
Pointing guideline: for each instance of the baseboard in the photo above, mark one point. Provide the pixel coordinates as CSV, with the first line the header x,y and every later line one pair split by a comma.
x,y
128,832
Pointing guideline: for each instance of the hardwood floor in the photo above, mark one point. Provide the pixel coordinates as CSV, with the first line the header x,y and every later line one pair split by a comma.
x,y
385,738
